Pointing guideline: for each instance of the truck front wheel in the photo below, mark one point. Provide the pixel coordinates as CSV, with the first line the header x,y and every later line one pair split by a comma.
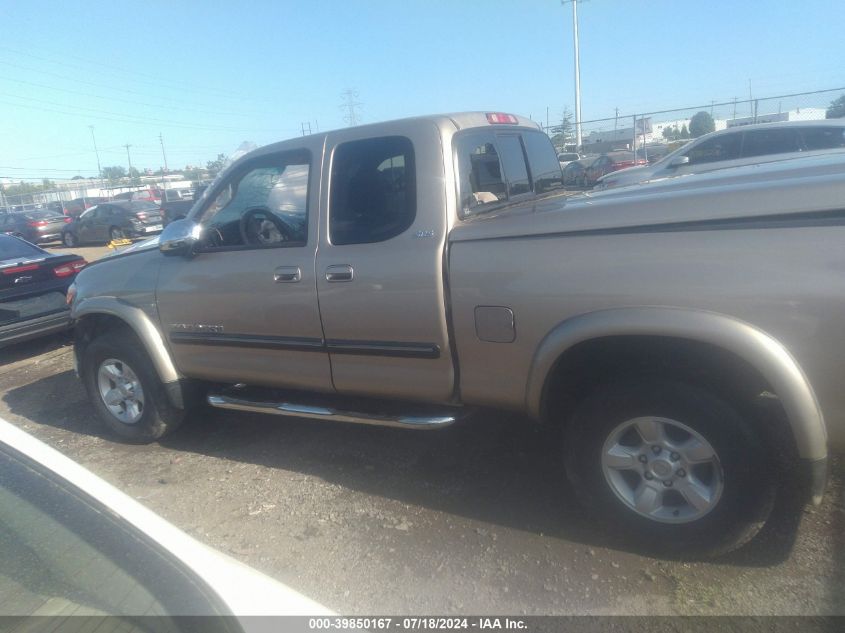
x,y
677,467
123,386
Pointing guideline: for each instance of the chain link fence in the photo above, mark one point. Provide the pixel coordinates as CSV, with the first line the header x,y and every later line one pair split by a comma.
x,y
655,133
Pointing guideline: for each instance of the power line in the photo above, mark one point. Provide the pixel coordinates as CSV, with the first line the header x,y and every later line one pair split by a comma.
x,y
134,120
124,73
131,101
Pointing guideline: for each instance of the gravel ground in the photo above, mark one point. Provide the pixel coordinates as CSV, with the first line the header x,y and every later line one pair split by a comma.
x,y
471,519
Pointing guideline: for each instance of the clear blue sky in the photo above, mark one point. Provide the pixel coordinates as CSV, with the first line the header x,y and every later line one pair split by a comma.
x,y
209,75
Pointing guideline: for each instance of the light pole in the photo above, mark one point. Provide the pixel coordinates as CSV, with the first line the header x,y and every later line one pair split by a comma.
x,y
577,73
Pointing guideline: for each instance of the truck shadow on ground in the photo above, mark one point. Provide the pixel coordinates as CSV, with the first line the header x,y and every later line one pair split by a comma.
x,y
30,349
495,468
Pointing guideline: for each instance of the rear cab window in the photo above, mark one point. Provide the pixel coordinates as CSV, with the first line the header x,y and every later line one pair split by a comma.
x,y
497,167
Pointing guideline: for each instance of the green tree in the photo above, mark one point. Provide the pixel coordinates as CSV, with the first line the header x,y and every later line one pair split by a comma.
x,y
671,133
684,132
836,109
214,166
562,134
114,173
701,123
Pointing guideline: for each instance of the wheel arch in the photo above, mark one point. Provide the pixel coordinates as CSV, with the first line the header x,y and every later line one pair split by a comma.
x,y
100,314
752,347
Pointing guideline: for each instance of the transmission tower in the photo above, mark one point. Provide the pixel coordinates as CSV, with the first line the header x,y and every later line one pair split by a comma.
x,y
349,104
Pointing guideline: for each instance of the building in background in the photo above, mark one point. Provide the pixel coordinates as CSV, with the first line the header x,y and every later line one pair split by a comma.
x,y
799,114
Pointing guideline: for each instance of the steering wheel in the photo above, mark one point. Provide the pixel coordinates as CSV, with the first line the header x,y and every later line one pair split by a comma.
x,y
261,227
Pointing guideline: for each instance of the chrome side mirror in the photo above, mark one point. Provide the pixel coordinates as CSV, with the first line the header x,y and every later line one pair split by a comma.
x,y
179,238
679,160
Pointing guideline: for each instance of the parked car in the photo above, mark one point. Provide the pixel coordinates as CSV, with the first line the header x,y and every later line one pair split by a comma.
x,y
575,173
33,285
176,203
565,158
736,146
113,221
144,195
612,162
77,206
38,226
73,545
663,331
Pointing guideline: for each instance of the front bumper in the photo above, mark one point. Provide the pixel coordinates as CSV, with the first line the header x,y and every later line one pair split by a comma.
x,y
814,474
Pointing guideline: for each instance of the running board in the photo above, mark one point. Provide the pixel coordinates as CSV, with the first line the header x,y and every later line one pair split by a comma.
x,y
295,410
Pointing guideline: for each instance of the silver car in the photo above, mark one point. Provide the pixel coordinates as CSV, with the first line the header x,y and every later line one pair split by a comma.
x,y
737,146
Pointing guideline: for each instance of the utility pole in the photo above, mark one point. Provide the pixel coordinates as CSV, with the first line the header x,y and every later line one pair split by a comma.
x,y
615,121
306,128
128,157
349,104
750,98
577,73
163,155
734,117
96,151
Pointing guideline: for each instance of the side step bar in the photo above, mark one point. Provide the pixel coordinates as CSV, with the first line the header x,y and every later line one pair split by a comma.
x,y
292,409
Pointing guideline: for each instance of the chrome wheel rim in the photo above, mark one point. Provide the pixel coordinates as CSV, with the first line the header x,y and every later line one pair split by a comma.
x,y
662,469
120,390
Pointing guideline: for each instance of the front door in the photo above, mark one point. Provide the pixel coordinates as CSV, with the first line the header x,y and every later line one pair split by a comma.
x,y
91,224
380,266
244,308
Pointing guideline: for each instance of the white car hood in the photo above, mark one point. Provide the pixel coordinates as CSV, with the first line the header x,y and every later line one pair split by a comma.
x,y
244,590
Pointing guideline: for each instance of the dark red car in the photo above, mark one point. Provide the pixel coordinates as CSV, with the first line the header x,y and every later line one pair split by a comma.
x,y
612,161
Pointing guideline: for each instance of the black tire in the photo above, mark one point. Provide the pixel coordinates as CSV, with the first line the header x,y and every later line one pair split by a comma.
x,y
159,417
115,234
749,485
69,239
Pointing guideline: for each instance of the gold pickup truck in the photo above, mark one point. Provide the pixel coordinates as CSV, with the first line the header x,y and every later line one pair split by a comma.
x,y
682,338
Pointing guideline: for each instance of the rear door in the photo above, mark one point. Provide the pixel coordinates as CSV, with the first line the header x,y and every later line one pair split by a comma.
x,y
380,264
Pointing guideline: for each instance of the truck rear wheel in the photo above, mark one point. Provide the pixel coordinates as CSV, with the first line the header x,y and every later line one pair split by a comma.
x,y
123,386
676,467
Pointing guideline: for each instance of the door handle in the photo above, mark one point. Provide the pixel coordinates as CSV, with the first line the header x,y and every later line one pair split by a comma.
x,y
339,273
287,274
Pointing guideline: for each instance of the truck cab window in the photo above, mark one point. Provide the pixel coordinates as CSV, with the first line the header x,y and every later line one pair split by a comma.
x,y
482,181
545,166
373,190
723,147
513,159
262,206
